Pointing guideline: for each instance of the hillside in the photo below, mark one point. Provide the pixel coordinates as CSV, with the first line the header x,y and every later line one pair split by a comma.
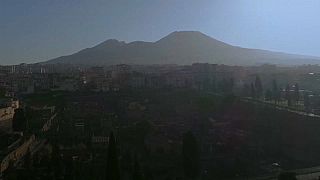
x,y
184,47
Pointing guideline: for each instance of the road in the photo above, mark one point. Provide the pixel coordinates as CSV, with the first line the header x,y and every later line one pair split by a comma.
x,y
254,101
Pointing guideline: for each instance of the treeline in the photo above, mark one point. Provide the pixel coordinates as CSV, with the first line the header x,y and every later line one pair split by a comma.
x,y
290,94
116,166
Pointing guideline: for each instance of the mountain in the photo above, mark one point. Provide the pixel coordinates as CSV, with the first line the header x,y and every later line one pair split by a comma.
x,y
183,47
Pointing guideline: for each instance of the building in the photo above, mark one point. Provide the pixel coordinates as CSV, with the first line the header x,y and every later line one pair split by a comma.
x,y
7,109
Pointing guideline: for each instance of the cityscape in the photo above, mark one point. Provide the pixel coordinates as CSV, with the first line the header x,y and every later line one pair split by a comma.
x,y
180,106
57,120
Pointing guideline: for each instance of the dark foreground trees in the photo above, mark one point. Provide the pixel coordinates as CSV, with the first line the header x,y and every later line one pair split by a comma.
x,y
137,174
296,93
287,176
191,157
275,91
113,172
19,122
258,87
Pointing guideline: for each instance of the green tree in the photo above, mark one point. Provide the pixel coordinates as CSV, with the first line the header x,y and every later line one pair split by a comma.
x,y
226,85
148,173
19,121
2,92
137,174
191,157
69,166
127,161
287,176
296,93
56,160
143,128
258,87
268,95
306,102
246,90
28,173
253,91
275,91
113,172
230,85
11,173
28,160
287,95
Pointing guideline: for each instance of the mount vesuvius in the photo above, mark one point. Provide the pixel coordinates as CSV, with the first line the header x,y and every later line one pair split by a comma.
x,y
181,47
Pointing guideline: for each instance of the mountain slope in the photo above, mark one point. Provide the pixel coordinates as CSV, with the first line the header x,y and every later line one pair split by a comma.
x,y
184,47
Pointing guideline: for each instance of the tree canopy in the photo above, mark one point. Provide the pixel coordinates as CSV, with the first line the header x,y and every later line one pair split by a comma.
x,y
191,157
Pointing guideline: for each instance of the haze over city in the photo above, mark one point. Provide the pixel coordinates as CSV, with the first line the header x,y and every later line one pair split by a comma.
x,y
159,90
34,31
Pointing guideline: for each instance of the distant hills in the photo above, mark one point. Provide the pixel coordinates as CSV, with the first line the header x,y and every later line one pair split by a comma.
x,y
181,47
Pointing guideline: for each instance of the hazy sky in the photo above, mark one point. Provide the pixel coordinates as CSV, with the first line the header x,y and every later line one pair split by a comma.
x,y
37,30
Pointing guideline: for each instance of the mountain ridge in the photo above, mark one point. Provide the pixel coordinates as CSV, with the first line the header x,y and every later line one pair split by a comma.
x,y
179,47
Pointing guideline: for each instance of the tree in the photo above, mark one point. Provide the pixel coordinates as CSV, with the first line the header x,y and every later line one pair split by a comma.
x,y
113,172
289,101
226,85
11,173
275,91
137,174
29,114
28,160
246,90
296,93
2,92
258,86
191,157
127,161
253,91
268,95
230,85
19,122
28,174
143,128
69,167
306,102
287,95
287,176
56,160
148,173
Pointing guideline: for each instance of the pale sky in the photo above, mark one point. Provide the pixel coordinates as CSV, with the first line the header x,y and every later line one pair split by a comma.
x,y
38,30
